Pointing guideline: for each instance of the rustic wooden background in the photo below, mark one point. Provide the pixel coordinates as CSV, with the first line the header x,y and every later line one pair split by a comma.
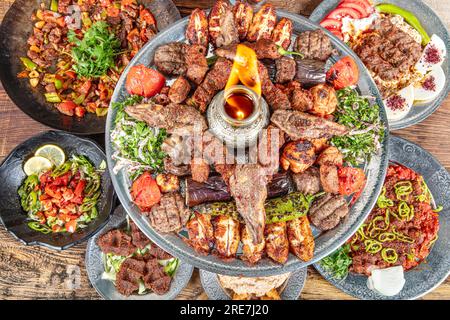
x,y
37,273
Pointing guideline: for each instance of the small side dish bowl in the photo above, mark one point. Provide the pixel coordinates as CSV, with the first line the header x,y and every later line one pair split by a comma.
x,y
12,175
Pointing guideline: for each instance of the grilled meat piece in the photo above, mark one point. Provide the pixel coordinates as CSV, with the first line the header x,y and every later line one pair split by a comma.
x,y
170,117
264,49
197,30
331,156
179,90
226,236
170,58
282,33
314,45
298,125
156,279
268,149
116,242
170,215
248,186
277,244
329,178
199,170
286,69
243,16
327,211
177,170
298,156
263,23
307,182
167,182
222,27
130,272
301,240
197,65
251,252
324,100
138,238
301,100
215,80
274,96
200,233
226,171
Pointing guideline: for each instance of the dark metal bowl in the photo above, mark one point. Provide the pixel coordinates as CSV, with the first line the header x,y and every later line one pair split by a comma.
x,y
11,176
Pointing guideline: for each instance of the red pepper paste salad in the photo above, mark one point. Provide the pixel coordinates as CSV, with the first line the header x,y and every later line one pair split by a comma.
x,y
401,229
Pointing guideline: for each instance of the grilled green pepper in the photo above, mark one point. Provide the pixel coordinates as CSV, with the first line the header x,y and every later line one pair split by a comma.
x,y
30,65
408,16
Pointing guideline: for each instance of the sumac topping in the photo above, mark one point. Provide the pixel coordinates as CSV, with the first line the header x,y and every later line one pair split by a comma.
x,y
396,103
429,84
432,55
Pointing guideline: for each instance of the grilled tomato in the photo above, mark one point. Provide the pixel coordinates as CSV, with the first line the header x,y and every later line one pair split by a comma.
x,y
145,191
144,81
343,73
351,180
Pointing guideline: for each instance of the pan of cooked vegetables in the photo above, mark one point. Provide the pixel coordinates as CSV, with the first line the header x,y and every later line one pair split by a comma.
x,y
61,59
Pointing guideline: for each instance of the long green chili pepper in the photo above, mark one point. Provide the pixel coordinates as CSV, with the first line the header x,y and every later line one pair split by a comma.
x,y
39,227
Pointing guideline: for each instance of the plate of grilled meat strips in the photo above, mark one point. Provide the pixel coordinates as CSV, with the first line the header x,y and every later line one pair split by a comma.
x,y
247,141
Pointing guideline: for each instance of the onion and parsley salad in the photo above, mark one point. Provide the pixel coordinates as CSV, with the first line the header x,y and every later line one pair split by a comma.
x,y
64,198
361,115
138,146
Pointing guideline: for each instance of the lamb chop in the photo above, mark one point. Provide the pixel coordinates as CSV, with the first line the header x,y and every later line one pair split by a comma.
x,y
298,125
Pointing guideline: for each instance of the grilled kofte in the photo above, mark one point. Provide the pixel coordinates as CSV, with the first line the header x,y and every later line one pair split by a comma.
x,y
307,137
77,62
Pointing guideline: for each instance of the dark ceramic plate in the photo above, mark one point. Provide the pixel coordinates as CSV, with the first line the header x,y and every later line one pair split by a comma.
x,y
14,32
431,273
433,25
11,176
106,288
325,242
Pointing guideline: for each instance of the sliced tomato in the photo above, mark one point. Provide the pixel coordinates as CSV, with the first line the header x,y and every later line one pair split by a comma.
x,y
67,107
80,112
331,24
144,81
62,181
78,192
337,33
351,180
369,8
53,192
145,191
147,16
343,73
71,226
340,13
355,5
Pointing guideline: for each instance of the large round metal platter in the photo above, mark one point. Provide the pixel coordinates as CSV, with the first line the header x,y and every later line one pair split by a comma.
x,y
15,29
106,288
433,25
325,243
290,290
430,274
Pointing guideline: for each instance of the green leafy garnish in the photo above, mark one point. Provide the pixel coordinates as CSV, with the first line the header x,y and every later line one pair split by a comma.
x,y
362,118
337,263
95,54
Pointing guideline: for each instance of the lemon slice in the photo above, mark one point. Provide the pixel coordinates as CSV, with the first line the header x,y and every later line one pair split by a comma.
x,y
53,153
36,165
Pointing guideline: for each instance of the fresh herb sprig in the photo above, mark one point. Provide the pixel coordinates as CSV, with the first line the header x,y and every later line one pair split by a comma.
x,y
362,117
337,263
95,54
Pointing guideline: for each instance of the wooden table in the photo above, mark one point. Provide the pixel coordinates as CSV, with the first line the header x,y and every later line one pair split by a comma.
x,y
37,273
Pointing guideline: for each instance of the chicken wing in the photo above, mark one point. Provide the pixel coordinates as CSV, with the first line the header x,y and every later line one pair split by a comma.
x,y
277,244
201,233
226,236
301,240
250,252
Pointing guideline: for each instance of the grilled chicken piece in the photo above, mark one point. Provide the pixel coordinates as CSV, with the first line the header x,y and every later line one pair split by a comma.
x,y
324,100
215,80
179,90
170,117
301,240
243,16
298,156
282,33
226,236
251,252
197,30
222,27
327,212
274,96
264,49
277,244
167,182
331,156
263,23
329,178
298,125
248,186
307,182
201,233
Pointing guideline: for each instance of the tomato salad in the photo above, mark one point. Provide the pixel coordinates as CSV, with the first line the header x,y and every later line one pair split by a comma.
x,y
63,199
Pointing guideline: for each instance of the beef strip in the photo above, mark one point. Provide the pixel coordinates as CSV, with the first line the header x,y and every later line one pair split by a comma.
x,y
170,215
327,211
274,96
301,99
116,242
314,45
200,170
298,125
197,65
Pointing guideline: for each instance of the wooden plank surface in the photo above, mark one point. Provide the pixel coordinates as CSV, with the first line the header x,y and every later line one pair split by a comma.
x,y
38,273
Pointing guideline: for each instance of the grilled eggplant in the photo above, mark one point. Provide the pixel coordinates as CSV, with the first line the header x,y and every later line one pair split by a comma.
x,y
243,16
263,23
197,30
282,33
310,72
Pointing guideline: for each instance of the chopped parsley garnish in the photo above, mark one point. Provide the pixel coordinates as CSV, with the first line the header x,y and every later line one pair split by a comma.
x,y
362,117
95,54
337,263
